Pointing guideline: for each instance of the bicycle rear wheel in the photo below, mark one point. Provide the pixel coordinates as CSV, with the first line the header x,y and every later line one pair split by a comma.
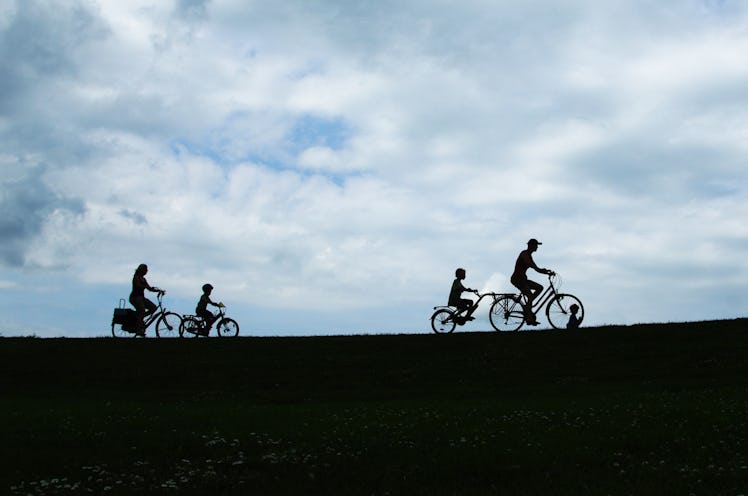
x,y
443,321
227,328
118,332
168,325
558,312
190,328
506,313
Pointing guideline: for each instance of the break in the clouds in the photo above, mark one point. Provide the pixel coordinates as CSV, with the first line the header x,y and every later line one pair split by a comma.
x,y
327,165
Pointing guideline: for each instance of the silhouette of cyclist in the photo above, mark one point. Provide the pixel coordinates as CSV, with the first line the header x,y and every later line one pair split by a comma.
x,y
455,295
201,310
143,306
526,286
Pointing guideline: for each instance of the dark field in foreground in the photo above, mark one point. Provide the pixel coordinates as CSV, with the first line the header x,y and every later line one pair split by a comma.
x,y
649,409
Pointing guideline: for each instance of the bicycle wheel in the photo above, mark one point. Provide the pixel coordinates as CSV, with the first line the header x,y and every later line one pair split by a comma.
x,y
443,321
168,325
227,328
558,312
118,332
190,328
506,313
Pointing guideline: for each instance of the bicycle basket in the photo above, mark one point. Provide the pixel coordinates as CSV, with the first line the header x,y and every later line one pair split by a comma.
x,y
124,316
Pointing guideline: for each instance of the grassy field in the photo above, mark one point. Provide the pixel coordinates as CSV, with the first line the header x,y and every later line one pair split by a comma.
x,y
648,409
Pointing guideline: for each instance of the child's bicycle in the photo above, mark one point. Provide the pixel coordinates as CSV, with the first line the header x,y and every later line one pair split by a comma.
x,y
507,312
194,326
446,318
125,321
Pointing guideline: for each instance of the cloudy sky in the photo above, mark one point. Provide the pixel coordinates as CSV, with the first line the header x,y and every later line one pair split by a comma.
x,y
327,165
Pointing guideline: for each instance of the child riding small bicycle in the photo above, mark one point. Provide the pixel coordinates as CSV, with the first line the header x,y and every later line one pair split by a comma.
x,y
202,308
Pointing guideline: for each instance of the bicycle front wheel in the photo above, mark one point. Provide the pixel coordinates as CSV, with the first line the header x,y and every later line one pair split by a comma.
x,y
227,328
558,312
443,321
168,325
506,313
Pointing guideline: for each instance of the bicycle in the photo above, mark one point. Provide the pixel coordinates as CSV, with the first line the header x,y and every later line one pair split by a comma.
x,y
125,321
446,318
507,312
193,325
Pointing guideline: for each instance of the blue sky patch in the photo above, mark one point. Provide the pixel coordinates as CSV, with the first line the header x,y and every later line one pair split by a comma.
x,y
310,131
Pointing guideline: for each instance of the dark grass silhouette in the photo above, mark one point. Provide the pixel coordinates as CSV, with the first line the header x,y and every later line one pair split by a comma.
x,y
646,409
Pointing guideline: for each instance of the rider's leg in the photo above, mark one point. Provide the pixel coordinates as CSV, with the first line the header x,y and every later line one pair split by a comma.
x,y
139,304
531,290
470,309
150,307
208,319
462,306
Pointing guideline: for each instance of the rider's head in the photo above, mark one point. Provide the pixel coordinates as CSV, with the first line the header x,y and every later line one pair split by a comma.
x,y
533,244
574,308
207,288
142,269
460,273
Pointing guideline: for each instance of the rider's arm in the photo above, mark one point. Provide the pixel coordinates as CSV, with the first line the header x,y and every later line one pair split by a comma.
x,y
531,263
141,283
463,288
153,289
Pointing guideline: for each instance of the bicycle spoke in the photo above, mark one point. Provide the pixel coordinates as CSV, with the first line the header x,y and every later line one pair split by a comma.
x,y
558,310
506,313
443,321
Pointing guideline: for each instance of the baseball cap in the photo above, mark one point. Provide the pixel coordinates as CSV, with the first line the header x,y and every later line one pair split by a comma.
x,y
534,241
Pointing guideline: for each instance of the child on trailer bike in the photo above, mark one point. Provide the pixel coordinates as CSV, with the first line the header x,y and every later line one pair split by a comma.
x,y
202,308
456,300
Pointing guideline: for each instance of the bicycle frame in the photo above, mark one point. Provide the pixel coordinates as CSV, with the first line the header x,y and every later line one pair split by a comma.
x,y
166,322
475,305
457,312
160,310
446,317
543,298
558,308
216,318
196,326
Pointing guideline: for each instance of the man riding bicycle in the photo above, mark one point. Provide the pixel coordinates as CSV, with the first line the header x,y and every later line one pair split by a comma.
x,y
526,286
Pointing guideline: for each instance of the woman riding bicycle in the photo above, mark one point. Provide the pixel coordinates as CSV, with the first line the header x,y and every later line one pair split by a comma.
x,y
143,306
